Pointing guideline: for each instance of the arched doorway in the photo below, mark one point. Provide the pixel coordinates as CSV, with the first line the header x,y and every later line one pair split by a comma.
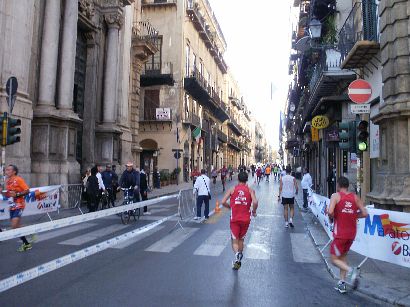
x,y
149,157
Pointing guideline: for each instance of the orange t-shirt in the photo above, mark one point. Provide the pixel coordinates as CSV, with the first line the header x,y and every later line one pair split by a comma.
x,y
267,170
17,184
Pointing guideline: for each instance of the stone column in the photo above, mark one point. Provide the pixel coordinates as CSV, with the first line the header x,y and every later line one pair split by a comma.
x,y
49,54
68,52
392,188
114,22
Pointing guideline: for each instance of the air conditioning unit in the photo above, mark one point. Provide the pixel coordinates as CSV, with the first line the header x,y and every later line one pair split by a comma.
x,y
163,113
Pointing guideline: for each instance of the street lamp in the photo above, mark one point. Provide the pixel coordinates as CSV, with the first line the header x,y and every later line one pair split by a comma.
x,y
315,28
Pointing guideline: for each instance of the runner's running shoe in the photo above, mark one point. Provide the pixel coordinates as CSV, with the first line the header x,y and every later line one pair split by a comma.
x,y
236,265
286,225
25,247
341,287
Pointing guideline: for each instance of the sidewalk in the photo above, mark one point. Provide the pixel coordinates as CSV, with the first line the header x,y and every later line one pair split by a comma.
x,y
379,279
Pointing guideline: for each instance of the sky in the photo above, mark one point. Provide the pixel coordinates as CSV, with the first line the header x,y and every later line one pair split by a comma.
x,y
258,37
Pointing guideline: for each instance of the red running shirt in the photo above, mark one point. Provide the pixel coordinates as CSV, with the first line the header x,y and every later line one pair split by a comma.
x,y
345,216
241,202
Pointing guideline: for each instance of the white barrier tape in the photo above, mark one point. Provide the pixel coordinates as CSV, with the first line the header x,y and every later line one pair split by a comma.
x,y
37,228
58,263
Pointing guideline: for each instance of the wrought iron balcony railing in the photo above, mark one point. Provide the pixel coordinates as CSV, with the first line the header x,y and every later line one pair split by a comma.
x,y
144,31
360,25
159,2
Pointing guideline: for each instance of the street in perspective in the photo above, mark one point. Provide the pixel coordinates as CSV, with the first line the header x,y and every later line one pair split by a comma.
x,y
204,153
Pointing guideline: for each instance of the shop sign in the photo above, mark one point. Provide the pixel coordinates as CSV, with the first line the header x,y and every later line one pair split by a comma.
x,y
315,134
320,122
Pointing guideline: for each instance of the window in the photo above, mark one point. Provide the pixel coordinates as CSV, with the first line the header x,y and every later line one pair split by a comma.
x,y
151,103
187,54
194,61
155,62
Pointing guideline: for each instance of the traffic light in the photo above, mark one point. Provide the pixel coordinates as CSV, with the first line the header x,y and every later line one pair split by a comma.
x,y
347,136
362,136
13,130
3,129
344,135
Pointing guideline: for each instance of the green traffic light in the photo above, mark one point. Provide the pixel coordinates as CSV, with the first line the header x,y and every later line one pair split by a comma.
x,y
362,146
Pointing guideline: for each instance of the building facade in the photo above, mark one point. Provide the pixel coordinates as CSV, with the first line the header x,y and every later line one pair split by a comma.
x,y
188,79
77,64
367,40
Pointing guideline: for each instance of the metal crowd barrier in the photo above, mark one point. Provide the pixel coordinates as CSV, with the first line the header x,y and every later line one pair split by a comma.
x,y
186,207
71,196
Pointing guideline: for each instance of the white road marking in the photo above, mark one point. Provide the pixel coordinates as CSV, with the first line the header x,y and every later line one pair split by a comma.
x,y
215,244
171,241
57,233
303,249
138,238
88,237
259,245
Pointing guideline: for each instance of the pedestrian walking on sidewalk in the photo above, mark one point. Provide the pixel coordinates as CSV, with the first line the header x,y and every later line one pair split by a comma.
x,y
93,190
288,189
345,208
201,187
241,198
144,189
109,178
306,185
16,189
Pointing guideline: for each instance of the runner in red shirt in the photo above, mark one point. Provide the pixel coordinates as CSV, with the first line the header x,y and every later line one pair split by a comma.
x,y
241,199
345,208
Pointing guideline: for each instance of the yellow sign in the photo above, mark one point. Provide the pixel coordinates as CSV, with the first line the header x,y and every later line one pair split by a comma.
x,y
315,135
320,122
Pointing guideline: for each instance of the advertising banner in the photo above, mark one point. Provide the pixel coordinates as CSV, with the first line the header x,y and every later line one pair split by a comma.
x,y
39,201
383,235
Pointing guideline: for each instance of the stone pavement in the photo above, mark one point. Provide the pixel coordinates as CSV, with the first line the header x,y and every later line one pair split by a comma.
x,y
379,279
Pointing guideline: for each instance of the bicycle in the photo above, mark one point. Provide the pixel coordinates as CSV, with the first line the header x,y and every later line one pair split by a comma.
x,y
128,200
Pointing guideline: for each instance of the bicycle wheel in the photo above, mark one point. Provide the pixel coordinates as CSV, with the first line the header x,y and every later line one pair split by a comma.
x,y
125,217
137,214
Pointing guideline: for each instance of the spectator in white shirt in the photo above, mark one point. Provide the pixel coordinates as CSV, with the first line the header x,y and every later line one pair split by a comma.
x,y
99,177
202,188
306,185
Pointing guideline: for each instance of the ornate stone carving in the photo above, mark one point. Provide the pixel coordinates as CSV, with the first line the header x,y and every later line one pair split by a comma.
x,y
86,7
114,19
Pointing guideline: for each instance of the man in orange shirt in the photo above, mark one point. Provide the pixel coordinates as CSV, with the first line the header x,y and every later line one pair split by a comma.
x,y
16,189
267,172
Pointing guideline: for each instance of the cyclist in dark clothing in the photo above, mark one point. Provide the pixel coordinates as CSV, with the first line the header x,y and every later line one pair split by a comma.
x,y
109,179
131,179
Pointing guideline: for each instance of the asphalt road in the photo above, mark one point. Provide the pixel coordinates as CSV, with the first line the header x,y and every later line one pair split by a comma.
x,y
190,267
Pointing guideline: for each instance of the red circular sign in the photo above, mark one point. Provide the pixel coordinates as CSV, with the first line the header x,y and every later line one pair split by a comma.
x,y
360,91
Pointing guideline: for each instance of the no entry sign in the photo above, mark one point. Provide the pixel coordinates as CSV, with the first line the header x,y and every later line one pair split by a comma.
x,y
360,91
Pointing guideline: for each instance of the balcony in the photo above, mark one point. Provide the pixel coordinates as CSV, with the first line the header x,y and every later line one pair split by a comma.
x,y
155,3
232,142
236,128
327,77
200,90
206,34
192,120
144,38
157,74
222,136
292,143
358,38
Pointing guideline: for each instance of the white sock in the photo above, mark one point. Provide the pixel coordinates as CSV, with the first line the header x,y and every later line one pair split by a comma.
x,y
290,220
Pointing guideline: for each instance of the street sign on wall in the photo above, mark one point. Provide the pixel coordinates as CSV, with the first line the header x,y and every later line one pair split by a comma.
x,y
360,91
360,108
315,134
320,122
